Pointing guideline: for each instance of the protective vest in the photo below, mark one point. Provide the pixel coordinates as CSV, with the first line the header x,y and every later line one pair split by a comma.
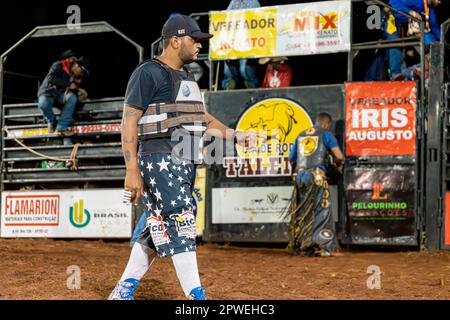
x,y
185,110
311,150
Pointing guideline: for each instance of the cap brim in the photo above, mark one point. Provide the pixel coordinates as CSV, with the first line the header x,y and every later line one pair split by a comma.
x,y
201,35
263,60
85,70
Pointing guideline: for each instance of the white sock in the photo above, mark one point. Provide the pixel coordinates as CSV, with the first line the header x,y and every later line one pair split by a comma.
x,y
187,271
141,258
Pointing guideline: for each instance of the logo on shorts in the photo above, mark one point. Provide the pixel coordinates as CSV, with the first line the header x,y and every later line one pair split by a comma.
x,y
185,223
79,216
157,230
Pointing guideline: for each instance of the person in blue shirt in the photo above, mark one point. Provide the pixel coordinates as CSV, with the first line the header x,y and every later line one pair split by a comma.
x,y
394,20
246,68
312,230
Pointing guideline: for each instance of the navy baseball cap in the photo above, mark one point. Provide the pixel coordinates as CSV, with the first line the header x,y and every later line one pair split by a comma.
x,y
179,25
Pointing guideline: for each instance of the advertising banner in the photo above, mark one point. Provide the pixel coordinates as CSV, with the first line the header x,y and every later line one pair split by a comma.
x,y
298,29
380,118
380,193
260,204
82,129
281,121
243,33
447,220
313,28
199,196
65,214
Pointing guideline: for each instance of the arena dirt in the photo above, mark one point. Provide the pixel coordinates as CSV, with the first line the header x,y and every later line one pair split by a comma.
x,y
36,269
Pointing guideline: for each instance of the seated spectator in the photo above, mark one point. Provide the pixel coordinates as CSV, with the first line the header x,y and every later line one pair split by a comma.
x,y
393,22
245,68
71,56
278,72
60,88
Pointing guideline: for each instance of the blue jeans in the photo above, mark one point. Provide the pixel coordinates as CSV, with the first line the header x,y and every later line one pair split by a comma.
x,y
46,104
245,68
395,57
408,72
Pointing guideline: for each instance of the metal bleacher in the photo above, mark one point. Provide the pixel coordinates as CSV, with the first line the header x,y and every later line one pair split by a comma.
x,y
99,152
27,148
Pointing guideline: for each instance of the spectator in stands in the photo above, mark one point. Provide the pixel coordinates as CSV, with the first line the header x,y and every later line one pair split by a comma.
x,y
68,54
394,21
71,56
246,68
60,88
278,72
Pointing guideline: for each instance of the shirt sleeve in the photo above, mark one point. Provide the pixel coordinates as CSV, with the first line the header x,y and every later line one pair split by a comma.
x,y
56,76
141,89
400,5
330,140
293,153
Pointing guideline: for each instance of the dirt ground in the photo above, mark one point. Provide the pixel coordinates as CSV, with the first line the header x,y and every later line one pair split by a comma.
x,y
36,269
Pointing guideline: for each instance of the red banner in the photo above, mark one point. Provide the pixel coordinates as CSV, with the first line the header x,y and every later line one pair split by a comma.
x,y
380,118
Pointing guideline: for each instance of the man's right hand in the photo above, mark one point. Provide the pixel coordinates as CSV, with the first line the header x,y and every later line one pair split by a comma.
x,y
134,184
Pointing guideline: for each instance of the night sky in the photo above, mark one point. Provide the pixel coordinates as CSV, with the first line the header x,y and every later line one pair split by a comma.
x,y
113,59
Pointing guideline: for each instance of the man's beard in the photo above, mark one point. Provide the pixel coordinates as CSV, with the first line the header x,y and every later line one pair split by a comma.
x,y
186,58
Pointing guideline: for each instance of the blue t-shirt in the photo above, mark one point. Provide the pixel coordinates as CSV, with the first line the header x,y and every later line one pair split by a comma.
x,y
148,84
417,6
329,140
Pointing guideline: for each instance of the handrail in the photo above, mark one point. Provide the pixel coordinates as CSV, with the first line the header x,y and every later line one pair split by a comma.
x,y
23,75
63,30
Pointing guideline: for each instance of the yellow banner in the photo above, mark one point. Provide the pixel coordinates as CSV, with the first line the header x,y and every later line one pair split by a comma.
x,y
199,195
243,33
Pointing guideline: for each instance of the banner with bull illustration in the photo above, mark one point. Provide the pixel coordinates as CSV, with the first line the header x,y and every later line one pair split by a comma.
x,y
248,191
380,118
298,29
279,121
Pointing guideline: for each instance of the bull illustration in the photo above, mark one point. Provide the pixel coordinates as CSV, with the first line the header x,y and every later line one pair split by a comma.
x,y
275,121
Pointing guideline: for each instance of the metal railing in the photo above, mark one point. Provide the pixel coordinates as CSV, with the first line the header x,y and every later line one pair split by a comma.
x,y
50,31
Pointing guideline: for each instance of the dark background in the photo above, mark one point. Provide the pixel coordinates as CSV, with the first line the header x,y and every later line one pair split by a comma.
x,y
113,59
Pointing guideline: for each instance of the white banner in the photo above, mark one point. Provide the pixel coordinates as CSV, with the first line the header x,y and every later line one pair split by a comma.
x,y
313,28
287,30
250,205
65,214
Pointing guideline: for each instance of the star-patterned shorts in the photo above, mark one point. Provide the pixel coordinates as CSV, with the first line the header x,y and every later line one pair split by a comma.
x,y
167,200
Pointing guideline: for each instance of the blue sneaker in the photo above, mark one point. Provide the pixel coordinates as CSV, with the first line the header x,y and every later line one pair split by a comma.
x,y
197,293
124,290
